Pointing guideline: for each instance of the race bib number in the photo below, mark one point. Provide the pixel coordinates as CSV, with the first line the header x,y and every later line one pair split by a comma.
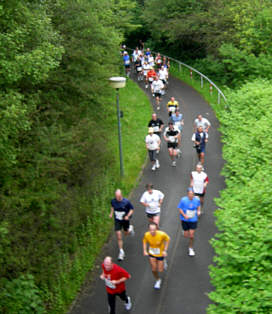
x,y
172,139
178,123
127,62
151,79
154,251
109,284
190,213
119,215
139,69
156,129
172,108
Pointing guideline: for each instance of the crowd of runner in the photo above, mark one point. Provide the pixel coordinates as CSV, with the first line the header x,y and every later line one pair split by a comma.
x,y
153,71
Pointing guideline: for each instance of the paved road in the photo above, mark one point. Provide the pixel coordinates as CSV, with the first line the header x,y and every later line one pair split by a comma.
x,y
186,282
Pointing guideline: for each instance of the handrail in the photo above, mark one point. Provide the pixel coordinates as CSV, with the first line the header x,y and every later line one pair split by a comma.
x,y
220,93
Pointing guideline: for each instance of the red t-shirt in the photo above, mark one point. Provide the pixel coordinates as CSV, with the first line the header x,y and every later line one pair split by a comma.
x,y
115,273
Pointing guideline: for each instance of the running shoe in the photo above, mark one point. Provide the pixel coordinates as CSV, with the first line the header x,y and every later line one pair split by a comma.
x,y
154,167
128,304
131,230
146,86
157,164
174,163
179,153
191,252
121,255
157,284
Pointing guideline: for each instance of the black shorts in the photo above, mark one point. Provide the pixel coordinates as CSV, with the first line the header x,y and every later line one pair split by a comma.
x,y
186,225
172,145
152,215
158,258
200,194
121,224
157,95
200,149
127,66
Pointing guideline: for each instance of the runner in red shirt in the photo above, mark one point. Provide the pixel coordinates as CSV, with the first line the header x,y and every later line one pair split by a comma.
x,y
115,277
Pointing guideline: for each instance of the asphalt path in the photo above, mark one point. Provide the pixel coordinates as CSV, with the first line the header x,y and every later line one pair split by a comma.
x,y
186,282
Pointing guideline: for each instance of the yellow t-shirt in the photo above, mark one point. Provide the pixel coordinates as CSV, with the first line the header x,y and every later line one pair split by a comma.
x,y
156,243
172,103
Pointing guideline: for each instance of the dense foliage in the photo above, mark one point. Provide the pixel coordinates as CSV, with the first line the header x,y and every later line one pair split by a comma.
x,y
243,273
56,57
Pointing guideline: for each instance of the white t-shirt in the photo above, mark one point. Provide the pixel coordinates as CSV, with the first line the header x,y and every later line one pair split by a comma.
x,y
162,75
152,141
204,123
146,68
198,181
153,201
157,86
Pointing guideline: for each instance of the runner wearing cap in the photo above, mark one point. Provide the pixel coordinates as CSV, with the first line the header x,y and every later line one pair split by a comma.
x,y
189,209
115,277
155,245
172,136
126,60
152,201
153,142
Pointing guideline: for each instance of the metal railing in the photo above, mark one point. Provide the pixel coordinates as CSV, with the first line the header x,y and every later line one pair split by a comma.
x,y
202,76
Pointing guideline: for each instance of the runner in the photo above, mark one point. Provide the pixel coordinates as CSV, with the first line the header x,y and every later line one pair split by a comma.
x,y
200,139
199,182
163,75
152,201
151,74
189,209
122,210
155,245
172,137
200,121
115,277
153,142
139,69
172,105
126,60
177,119
158,61
156,124
151,60
157,88
146,69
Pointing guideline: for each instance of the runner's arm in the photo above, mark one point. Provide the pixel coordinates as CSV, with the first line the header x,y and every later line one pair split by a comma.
x,y
144,248
128,214
117,282
198,210
102,276
182,213
111,212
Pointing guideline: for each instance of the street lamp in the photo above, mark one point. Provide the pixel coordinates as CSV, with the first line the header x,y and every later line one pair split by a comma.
x,y
119,82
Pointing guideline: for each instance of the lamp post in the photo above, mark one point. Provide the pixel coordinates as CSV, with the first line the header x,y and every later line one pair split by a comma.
x,y
119,82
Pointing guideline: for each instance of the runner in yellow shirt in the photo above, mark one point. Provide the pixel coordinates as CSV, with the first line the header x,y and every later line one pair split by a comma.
x,y
155,245
172,105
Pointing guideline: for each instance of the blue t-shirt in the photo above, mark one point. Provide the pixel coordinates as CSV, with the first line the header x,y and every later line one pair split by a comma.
x,y
189,208
126,59
121,208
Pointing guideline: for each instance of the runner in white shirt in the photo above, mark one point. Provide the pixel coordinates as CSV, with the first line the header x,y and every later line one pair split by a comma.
x,y
200,121
146,68
153,142
151,60
157,88
163,75
199,182
152,201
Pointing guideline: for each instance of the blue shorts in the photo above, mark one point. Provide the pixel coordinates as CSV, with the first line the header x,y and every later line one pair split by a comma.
x,y
187,225
200,149
158,258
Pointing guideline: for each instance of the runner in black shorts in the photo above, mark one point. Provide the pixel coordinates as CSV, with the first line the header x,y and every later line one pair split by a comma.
x,y
122,210
189,209
171,136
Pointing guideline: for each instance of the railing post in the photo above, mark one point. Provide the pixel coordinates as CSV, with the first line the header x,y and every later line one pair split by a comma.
x,y
210,89
191,74
179,67
201,77
218,100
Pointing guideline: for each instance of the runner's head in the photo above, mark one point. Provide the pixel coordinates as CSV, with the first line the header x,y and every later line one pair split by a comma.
x,y
152,227
108,264
154,116
171,125
200,129
172,99
177,112
150,131
199,117
118,195
190,193
149,187
156,78
199,168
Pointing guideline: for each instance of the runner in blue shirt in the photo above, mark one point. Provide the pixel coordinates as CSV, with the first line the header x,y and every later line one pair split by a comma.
x,y
189,208
126,60
122,209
